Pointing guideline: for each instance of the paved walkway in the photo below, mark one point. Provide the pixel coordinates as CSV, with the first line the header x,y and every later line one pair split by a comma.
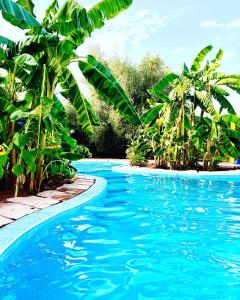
x,y
16,208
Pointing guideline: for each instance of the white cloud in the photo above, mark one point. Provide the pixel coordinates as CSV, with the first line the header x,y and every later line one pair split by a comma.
x,y
130,30
234,24
211,24
208,24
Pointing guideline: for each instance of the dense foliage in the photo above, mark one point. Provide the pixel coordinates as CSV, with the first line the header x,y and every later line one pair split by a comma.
x,y
35,137
111,137
184,125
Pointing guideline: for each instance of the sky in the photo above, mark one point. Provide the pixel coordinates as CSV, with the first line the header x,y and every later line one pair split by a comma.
x,y
176,30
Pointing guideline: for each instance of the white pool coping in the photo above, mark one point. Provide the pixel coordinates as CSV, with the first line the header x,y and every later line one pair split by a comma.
x,y
12,235
217,175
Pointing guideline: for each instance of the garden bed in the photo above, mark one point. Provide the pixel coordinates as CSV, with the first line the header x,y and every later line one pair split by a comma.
x,y
14,208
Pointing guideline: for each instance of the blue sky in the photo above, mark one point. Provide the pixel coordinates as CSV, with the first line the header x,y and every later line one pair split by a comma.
x,y
176,30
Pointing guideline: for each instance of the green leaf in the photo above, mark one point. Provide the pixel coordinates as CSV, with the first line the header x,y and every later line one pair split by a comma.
x,y
79,102
72,156
6,42
218,57
206,102
28,5
18,170
29,157
18,114
230,118
76,24
106,9
20,140
25,60
70,17
151,114
50,13
231,81
2,54
3,161
219,94
230,147
17,15
163,83
200,58
108,88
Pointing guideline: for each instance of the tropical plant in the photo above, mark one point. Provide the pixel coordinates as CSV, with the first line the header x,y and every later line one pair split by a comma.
x,y
111,138
34,132
181,134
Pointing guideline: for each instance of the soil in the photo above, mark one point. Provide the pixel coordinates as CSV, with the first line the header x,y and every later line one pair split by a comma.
x,y
50,184
4,195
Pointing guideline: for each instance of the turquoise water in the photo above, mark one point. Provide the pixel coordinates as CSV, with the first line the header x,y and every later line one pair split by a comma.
x,y
150,238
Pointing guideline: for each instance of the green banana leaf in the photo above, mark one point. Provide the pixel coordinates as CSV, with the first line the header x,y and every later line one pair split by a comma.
x,y
108,88
219,94
151,114
200,58
28,5
230,118
163,83
218,57
206,102
17,15
79,102
5,41
50,13
106,9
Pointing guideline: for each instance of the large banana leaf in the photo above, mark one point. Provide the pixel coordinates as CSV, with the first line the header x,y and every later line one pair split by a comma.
x,y
151,114
228,147
17,15
70,17
76,24
200,58
230,118
231,81
220,95
106,9
218,57
72,92
108,88
50,13
28,5
207,103
5,41
163,83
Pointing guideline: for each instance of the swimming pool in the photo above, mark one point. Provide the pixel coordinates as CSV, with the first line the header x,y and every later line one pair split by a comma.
x,y
151,237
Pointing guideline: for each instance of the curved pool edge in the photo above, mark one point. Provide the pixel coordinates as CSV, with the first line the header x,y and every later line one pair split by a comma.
x,y
13,234
191,174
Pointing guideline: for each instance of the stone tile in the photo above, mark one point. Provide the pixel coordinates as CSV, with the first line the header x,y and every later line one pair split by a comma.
x,y
76,186
54,194
70,190
34,201
83,182
85,179
4,221
15,210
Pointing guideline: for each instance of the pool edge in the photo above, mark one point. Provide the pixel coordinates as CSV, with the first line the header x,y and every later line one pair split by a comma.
x,y
13,234
190,174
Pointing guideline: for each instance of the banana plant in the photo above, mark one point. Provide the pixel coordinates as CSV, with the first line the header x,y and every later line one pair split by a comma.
x,y
40,65
174,119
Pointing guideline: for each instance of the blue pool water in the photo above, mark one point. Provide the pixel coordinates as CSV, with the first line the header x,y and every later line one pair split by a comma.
x,y
150,238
